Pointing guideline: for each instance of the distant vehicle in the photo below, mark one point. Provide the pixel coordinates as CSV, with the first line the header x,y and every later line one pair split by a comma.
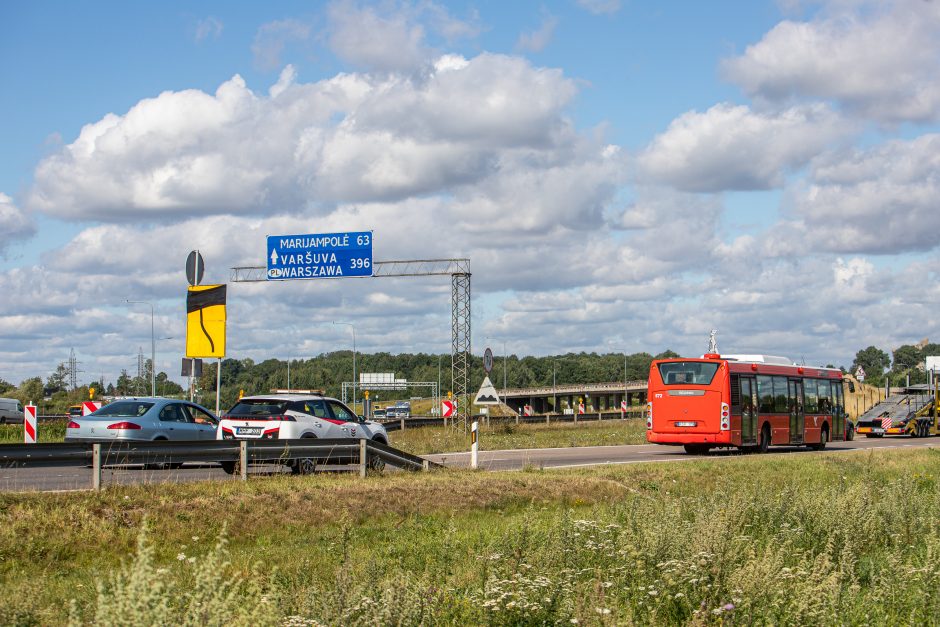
x,y
744,401
378,414
75,411
911,411
401,409
292,416
143,419
10,411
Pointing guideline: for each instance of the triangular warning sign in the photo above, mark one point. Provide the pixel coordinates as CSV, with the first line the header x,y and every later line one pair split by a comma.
x,y
487,394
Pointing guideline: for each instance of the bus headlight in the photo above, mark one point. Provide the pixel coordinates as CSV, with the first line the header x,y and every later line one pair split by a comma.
x,y
725,417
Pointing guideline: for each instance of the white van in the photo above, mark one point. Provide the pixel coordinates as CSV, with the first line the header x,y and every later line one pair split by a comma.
x,y
10,411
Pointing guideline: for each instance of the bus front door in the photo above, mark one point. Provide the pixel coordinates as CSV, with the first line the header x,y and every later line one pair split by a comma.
x,y
748,411
796,411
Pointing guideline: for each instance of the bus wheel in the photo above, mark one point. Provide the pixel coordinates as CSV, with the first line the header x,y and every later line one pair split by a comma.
x,y
823,437
696,449
764,442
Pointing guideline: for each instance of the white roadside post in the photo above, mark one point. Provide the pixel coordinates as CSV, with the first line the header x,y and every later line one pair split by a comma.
x,y
474,443
30,428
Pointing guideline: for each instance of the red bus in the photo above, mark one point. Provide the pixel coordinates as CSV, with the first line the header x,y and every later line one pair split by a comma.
x,y
743,401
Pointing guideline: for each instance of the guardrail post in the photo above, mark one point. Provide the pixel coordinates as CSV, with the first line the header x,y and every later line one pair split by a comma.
x,y
599,416
425,466
402,424
363,457
243,458
96,466
548,419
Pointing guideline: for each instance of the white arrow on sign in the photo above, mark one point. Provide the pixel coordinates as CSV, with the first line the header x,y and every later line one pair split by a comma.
x,y
273,257
487,394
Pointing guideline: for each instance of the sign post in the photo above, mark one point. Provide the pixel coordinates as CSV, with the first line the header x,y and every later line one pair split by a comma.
x,y
30,429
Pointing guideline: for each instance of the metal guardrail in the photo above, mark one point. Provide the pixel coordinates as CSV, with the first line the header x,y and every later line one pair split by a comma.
x,y
243,453
398,424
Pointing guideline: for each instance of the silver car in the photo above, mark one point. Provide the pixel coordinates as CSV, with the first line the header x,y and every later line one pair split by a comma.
x,y
143,419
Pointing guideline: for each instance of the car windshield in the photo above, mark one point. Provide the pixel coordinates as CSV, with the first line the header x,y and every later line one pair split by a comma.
x,y
257,407
124,409
687,372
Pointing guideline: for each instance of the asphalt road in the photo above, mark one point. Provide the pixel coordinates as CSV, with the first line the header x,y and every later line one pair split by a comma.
x,y
72,478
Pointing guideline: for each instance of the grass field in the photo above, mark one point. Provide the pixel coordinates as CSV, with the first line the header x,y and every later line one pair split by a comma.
x,y
427,440
780,539
49,431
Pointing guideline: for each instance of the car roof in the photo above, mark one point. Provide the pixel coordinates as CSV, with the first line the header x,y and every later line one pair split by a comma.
x,y
286,397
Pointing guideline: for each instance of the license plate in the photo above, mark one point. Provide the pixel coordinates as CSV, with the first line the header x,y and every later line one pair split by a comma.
x,y
877,430
248,430
686,424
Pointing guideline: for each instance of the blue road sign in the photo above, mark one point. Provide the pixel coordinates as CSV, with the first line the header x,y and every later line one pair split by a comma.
x,y
321,255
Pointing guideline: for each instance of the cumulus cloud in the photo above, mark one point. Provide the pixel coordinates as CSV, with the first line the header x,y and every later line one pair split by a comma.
x,y
880,60
877,200
348,138
732,147
15,224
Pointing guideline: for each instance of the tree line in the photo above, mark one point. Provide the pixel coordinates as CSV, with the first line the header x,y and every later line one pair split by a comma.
x,y
328,371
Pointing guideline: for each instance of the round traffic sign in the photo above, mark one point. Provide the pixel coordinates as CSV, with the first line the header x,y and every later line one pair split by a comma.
x,y
195,268
487,360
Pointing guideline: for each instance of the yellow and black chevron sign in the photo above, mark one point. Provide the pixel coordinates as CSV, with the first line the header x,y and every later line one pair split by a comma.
x,y
205,321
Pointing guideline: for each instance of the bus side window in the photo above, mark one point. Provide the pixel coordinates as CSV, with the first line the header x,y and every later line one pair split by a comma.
x,y
812,400
765,394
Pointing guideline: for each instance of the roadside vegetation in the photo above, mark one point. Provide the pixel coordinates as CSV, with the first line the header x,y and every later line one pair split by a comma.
x,y
831,538
501,436
49,431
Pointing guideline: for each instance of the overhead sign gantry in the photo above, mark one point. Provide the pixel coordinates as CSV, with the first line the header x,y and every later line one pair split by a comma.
x,y
457,269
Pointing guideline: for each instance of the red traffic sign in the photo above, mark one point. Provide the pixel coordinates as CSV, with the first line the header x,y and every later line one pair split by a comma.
x,y
448,408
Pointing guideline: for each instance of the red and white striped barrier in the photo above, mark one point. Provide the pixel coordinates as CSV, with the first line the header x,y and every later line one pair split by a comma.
x,y
527,410
623,407
30,431
580,408
90,407
447,409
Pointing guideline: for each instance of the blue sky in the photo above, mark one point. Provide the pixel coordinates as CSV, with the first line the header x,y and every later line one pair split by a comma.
x,y
620,173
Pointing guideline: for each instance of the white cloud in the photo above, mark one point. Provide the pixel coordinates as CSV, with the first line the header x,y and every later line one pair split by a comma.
x,y
538,40
273,37
352,137
208,27
879,200
880,60
15,224
393,36
600,7
731,147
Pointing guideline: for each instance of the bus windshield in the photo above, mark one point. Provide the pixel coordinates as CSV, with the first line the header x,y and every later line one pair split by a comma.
x,y
688,372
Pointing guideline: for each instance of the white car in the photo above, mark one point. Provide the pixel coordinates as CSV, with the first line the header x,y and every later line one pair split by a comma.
x,y
296,416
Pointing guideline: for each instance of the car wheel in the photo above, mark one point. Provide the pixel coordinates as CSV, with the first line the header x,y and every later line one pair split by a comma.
x,y
763,444
304,465
695,449
376,463
850,434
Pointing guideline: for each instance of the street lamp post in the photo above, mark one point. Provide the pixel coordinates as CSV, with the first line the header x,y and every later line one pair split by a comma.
x,y
153,346
350,325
